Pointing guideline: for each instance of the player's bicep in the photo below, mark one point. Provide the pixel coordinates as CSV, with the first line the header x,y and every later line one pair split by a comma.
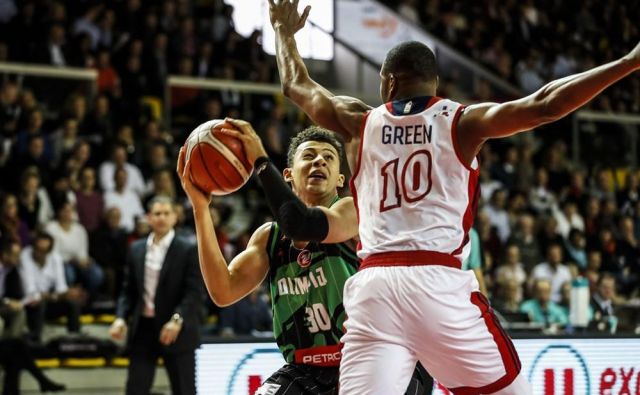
x,y
249,268
343,221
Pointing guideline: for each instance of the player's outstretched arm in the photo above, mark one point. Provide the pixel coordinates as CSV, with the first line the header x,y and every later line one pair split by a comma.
x,y
550,103
301,223
225,284
338,113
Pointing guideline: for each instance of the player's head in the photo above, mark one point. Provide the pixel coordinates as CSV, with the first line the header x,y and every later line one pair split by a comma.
x,y
313,162
410,63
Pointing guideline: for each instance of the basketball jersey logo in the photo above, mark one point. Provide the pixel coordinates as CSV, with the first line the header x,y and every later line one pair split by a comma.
x,y
304,258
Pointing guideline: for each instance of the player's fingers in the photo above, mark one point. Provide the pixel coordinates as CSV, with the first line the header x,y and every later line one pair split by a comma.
x,y
305,15
180,164
231,132
186,170
244,126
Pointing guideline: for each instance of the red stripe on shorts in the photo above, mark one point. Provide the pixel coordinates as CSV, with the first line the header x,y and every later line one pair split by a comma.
x,y
507,351
410,258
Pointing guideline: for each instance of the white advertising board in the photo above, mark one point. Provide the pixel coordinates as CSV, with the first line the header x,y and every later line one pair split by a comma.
x,y
553,366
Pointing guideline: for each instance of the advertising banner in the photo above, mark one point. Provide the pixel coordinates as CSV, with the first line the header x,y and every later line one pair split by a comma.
x,y
553,366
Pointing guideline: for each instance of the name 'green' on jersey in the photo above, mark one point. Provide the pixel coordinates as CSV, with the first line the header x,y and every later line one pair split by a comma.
x,y
306,291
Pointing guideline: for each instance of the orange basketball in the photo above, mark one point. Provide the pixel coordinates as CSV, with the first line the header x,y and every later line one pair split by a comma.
x,y
218,163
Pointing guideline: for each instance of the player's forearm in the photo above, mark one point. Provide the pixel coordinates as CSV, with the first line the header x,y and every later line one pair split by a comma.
x,y
293,72
297,221
212,263
565,95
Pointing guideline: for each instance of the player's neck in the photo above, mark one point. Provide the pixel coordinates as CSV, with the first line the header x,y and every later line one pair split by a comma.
x,y
415,90
324,200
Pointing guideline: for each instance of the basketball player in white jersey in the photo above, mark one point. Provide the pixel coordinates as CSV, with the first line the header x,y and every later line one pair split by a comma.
x,y
415,185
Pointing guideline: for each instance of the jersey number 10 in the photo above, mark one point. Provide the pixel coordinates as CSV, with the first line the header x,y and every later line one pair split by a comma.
x,y
414,180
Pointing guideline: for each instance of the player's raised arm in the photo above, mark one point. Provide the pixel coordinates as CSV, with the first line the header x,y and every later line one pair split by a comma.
x,y
301,223
225,284
550,103
338,113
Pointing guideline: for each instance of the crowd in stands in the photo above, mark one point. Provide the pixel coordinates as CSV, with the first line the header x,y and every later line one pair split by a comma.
x,y
75,178
529,43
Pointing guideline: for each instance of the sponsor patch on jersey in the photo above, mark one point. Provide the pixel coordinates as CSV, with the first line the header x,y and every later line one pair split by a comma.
x,y
304,258
268,389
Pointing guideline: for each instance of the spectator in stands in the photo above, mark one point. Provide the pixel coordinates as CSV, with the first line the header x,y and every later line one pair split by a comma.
x,y
548,234
55,51
498,216
541,199
33,156
248,316
602,301
542,309
134,180
505,172
163,184
89,201
12,227
567,219
161,299
512,271
108,244
629,197
63,140
71,242
34,205
628,256
508,297
9,111
524,238
13,317
602,190
45,287
554,271
125,200
576,248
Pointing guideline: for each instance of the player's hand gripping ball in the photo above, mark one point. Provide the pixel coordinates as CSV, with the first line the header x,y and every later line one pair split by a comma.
x,y
218,162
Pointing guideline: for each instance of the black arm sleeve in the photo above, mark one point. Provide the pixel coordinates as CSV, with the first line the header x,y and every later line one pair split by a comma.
x,y
297,221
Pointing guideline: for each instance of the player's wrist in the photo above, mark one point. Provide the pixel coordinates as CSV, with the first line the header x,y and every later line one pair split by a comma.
x,y
261,163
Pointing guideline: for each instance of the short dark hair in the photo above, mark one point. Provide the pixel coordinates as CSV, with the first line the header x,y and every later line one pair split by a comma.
x,y
41,235
411,58
314,133
160,199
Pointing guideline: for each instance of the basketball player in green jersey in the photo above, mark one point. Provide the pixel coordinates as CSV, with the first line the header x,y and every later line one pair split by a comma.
x,y
306,279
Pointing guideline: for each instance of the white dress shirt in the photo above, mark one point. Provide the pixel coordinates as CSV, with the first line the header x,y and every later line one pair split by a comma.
x,y
37,280
153,261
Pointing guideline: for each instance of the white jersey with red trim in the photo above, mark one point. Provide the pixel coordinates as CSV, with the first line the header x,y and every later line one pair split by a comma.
x,y
412,191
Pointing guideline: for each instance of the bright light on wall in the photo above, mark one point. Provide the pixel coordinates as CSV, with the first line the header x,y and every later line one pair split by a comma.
x,y
313,42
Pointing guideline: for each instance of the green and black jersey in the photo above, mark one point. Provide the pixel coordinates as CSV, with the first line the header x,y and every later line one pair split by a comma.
x,y
306,291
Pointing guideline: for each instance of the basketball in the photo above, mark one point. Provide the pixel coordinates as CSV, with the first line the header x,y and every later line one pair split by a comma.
x,y
218,163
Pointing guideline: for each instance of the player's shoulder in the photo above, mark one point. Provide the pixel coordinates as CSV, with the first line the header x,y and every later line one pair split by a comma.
x,y
262,235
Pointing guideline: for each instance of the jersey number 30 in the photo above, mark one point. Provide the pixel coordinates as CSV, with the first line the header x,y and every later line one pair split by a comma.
x,y
318,318
413,183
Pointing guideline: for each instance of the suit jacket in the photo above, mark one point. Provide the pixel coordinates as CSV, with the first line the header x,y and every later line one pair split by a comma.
x,y
180,290
13,285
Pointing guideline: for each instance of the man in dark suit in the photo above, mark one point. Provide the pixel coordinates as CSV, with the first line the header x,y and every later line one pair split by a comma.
x,y
604,317
12,313
161,296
